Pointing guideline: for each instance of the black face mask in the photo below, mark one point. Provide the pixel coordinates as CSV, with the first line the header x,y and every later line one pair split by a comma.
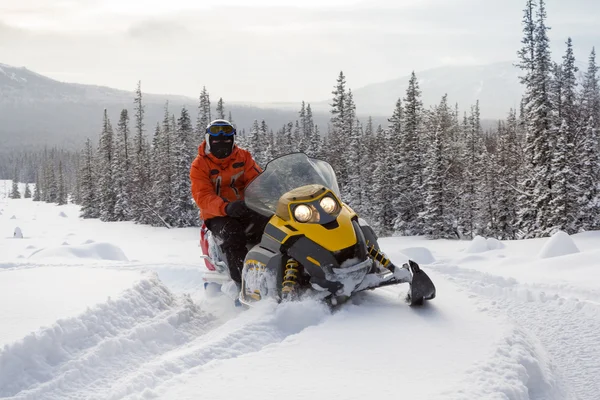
x,y
221,146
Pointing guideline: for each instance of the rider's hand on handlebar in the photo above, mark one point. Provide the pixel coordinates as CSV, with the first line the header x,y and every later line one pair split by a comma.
x,y
236,209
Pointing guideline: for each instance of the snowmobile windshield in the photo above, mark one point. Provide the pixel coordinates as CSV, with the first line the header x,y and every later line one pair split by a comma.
x,y
284,174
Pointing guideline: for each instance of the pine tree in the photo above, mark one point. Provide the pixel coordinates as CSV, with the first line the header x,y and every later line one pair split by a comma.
x,y
509,167
354,157
87,183
122,169
265,143
472,174
140,185
410,160
27,191
37,195
437,221
62,198
184,212
15,194
336,137
254,143
588,149
51,192
163,178
204,115
107,196
383,213
221,109
564,191
535,207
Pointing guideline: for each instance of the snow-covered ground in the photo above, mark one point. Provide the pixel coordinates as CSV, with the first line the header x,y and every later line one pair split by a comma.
x,y
93,310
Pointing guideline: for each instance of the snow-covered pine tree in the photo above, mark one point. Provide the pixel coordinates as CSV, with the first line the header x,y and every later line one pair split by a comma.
x,y
254,143
315,145
221,109
535,58
354,157
487,216
105,182
436,220
184,212
140,166
382,194
509,167
121,169
87,183
337,144
204,115
368,157
564,189
401,171
410,160
266,144
297,143
163,178
51,192
37,195
589,149
63,195
472,175
27,194
14,193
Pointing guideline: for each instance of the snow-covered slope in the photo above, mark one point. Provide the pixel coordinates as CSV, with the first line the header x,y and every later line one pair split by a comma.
x,y
78,322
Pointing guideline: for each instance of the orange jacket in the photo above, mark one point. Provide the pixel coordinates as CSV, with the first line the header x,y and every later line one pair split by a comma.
x,y
218,181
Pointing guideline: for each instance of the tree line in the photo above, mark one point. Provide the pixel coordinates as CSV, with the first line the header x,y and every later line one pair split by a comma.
x,y
431,171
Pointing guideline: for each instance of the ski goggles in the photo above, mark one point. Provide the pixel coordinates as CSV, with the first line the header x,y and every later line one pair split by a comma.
x,y
216,130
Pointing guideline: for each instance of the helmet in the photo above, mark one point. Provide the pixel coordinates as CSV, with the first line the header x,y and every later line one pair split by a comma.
x,y
220,138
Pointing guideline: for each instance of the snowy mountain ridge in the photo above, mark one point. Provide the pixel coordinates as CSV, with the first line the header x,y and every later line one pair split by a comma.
x,y
37,110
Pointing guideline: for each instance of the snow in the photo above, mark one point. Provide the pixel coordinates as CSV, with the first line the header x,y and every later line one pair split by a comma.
x,y
480,244
421,255
560,244
18,234
98,251
119,312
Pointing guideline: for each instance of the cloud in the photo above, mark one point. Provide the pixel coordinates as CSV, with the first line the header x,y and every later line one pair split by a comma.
x,y
157,29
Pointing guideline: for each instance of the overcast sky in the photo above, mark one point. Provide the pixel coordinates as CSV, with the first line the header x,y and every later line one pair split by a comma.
x,y
270,50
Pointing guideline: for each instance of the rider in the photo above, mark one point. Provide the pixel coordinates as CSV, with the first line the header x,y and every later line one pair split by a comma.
x,y
219,176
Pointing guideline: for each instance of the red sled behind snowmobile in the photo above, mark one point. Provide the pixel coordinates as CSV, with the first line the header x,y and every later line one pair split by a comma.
x,y
314,244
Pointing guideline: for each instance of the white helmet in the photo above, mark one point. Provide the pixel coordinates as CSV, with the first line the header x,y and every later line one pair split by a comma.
x,y
220,138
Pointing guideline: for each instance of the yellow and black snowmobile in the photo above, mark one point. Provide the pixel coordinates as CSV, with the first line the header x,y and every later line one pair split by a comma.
x,y
314,243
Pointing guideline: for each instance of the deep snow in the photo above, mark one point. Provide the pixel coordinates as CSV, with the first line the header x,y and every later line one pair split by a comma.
x,y
117,311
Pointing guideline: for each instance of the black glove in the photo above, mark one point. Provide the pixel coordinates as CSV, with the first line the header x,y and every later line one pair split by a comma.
x,y
236,209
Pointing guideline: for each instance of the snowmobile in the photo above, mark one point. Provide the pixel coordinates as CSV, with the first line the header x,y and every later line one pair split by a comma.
x,y
314,244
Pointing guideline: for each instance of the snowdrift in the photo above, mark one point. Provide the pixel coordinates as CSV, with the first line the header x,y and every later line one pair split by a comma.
x,y
97,251
560,244
480,244
421,255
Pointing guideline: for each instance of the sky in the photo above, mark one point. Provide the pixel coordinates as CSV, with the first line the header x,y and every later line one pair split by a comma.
x,y
270,50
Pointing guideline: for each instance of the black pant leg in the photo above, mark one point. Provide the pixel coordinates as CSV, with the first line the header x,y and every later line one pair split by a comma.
x,y
231,231
254,226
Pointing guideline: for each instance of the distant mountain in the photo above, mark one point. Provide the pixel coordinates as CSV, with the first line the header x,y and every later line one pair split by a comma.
x,y
36,110
496,86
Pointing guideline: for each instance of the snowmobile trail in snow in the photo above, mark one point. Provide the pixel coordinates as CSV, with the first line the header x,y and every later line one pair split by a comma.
x,y
379,343
78,356
565,326
136,342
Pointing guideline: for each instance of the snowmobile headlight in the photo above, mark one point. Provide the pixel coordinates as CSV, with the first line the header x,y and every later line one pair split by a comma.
x,y
328,204
303,213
